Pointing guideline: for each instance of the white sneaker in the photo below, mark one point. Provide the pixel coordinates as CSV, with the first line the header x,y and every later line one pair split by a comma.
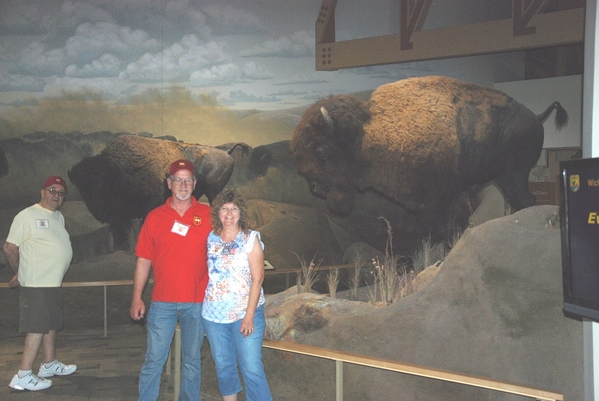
x,y
30,382
57,368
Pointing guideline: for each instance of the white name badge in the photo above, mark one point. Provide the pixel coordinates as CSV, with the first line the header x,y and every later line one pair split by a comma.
x,y
180,228
42,223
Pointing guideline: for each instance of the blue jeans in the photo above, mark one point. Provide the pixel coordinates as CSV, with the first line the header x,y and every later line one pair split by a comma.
x,y
229,348
162,321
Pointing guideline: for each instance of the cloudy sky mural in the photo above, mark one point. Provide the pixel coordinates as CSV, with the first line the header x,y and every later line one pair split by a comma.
x,y
242,54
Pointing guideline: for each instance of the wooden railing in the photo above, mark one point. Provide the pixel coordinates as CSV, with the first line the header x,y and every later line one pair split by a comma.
x,y
110,283
104,284
415,370
377,363
339,358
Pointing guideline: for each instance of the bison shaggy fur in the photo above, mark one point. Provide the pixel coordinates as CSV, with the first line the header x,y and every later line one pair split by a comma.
x,y
419,142
128,178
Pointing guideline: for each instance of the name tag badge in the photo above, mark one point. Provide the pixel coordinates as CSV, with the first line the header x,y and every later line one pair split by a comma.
x,y
180,228
42,223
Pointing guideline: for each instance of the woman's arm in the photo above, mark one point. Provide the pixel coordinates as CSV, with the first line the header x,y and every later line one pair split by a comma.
x,y
256,261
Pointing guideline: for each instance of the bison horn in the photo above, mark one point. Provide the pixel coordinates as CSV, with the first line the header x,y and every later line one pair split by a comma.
x,y
328,121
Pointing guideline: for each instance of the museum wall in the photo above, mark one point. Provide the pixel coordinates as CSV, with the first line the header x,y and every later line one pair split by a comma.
x,y
75,75
99,66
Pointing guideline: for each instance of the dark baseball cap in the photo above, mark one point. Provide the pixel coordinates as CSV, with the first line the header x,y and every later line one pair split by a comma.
x,y
55,179
180,164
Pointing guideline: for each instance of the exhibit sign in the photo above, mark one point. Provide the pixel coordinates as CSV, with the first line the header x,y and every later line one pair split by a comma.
x,y
579,215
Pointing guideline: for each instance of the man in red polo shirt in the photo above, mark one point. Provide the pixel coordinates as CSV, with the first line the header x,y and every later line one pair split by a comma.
x,y
172,242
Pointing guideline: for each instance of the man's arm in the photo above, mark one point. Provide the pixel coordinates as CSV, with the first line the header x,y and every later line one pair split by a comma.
x,y
12,256
142,273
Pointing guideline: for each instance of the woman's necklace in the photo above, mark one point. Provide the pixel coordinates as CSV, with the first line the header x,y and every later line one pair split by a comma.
x,y
228,245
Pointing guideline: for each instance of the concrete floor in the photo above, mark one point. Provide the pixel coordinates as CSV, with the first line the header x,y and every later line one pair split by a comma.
x,y
107,367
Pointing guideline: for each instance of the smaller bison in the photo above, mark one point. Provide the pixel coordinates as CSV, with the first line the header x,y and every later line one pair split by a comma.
x,y
420,142
127,179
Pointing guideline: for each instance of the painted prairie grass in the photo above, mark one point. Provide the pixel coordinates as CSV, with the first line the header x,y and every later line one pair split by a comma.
x,y
307,276
385,288
172,110
354,277
394,275
333,282
427,254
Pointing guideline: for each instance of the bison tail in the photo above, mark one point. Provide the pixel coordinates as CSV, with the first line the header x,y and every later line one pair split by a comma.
x,y
561,116
244,147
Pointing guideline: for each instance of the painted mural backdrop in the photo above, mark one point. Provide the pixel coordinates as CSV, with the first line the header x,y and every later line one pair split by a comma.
x,y
76,74
197,69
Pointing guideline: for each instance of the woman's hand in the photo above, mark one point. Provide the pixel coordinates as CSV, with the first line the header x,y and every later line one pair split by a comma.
x,y
247,326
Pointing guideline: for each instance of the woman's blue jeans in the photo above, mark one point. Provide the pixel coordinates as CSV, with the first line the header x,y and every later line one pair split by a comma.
x,y
161,324
229,348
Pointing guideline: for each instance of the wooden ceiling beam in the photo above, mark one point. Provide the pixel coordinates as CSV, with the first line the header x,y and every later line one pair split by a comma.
x,y
411,18
521,16
525,30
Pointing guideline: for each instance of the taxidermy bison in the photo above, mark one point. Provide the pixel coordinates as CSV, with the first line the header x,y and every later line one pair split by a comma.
x,y
420,142
128,178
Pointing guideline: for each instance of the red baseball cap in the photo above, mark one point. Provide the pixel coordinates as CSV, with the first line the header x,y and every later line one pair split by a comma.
x,y
55,179
180,164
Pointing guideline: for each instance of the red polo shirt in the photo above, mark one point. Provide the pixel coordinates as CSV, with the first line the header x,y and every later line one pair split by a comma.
x,y
176,246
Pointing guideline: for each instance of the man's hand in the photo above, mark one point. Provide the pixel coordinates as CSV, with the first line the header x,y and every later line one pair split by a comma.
x,y
11,251
14,283
140,278
137,310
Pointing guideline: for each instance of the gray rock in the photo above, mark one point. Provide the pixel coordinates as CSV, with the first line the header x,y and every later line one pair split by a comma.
x,y
494,310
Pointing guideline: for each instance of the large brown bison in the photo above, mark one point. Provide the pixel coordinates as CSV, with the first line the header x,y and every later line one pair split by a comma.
x,y
127,179
419,142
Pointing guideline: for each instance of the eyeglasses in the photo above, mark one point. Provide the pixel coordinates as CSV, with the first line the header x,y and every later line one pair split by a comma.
x,y
178,180
54,191
228,209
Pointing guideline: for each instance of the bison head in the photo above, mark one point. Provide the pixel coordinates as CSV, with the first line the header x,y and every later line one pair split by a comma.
x,y
213,167
323,148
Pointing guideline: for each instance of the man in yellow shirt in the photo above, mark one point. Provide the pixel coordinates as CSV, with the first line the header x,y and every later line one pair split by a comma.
x,y
39,251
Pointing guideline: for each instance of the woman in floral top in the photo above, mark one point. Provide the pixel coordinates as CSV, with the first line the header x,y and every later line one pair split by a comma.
x,y
233,309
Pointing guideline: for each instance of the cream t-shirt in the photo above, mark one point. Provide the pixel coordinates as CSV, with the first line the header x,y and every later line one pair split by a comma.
x,y
45,251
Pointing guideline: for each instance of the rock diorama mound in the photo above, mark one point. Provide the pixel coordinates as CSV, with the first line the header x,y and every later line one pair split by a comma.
x,y
494,310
